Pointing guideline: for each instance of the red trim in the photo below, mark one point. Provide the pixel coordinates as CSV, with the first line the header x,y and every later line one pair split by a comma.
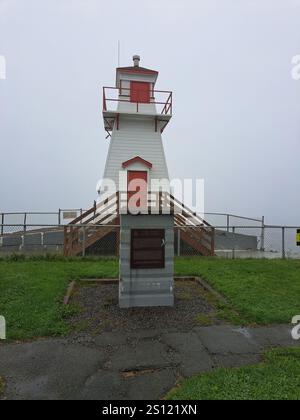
x,y
120,69
135,160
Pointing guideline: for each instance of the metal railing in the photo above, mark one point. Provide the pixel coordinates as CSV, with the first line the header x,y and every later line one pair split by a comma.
x,y
165,104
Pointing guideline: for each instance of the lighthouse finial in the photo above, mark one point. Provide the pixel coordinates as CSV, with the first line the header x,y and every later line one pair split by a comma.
x,y
136,60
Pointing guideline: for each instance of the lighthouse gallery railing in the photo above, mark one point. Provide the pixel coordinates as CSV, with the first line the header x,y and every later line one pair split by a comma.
x,y
166,102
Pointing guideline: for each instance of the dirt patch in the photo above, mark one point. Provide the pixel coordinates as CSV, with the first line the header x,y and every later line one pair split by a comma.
x,y
100,311
128,374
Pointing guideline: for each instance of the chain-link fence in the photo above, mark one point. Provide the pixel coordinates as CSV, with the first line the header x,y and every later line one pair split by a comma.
x,y
103,240
33,239
71,240
228,220
59,217
253,242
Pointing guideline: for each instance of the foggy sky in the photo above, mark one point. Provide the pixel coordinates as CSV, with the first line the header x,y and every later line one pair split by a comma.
x,y
236,107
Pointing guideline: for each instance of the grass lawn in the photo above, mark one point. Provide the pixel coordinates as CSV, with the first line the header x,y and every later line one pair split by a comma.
x,y
261,291
277,378
31,293
258,291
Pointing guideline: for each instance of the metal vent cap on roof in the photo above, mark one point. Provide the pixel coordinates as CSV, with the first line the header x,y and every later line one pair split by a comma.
x,y
136,60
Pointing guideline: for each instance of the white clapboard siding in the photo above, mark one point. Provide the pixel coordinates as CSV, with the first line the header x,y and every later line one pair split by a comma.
x,y
136,137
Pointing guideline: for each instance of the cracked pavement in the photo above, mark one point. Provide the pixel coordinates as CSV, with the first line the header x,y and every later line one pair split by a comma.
x,y
139,365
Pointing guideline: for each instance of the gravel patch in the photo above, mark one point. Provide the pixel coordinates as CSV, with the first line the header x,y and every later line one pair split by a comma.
x,y
100,311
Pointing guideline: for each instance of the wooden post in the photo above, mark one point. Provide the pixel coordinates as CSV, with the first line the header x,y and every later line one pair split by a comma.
x,y
213,233
65,241
118,241
83,241
118,202
178,242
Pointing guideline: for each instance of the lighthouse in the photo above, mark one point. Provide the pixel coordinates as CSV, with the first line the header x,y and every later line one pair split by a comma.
x,y
135,115
136,215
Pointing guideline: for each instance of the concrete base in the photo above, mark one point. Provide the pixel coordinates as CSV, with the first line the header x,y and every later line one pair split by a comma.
x,y
147,286
130,301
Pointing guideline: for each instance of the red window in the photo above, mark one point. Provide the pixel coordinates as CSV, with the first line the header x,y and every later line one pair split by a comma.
x,y
137,188
140,92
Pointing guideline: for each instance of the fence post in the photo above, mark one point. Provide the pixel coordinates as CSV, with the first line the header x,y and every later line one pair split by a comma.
x,y
25,219
262,239
65,241
59,217
228,222
83,241
2,223
283,243
178,242
233,249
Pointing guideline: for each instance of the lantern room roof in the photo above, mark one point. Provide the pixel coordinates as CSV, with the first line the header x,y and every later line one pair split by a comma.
x,y
136,69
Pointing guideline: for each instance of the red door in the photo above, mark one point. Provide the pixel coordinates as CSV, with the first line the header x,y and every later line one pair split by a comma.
x,y
137,189
140,92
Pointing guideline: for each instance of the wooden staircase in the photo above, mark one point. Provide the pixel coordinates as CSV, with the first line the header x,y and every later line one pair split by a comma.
x,y
193,230
103,218
92,226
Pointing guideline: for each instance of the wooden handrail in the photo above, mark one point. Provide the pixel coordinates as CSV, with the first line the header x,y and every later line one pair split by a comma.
x,y
189,210
83,215
92,210
200,233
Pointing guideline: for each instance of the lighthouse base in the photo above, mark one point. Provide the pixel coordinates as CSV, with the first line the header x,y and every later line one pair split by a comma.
x,y
143,301
146,261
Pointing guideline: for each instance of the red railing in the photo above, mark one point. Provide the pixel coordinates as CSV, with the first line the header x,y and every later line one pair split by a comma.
x,y
164,99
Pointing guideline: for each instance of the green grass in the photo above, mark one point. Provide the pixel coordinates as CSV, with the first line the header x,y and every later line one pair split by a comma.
x,y
277,378
32,291
261,291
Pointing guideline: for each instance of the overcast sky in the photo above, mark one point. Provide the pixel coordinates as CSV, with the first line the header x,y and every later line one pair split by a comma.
x,y
236,107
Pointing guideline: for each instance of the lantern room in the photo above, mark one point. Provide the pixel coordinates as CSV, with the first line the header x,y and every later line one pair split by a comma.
x,y
135,93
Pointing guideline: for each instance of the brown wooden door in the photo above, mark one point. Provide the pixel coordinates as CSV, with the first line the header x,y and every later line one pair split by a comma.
x,y
147,248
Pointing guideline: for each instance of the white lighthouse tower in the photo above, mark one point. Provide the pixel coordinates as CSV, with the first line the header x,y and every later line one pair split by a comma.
x,y
135,203
135,115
